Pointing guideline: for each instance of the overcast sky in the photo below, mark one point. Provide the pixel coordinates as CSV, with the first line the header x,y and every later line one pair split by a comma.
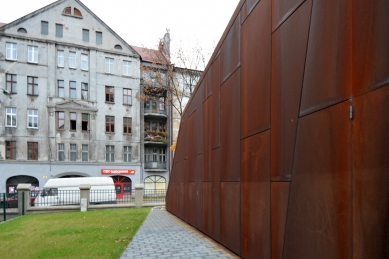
x,y
143,22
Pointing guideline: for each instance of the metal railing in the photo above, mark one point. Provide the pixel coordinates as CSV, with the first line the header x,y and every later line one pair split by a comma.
x,y
98,197
55,198
154,195
8,200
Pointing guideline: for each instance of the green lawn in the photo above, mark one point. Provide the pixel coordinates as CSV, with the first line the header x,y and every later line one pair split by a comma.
x,y
92,234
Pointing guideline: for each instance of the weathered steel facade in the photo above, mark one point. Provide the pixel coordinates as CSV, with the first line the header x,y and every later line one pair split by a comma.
x,y
283,148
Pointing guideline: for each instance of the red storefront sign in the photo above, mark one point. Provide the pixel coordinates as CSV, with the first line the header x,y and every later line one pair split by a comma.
x,y
117,171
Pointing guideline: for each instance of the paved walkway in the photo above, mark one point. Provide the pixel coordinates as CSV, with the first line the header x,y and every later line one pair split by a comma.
x,y
163,235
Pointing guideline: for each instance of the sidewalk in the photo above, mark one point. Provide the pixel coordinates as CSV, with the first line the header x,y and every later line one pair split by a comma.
x,y
162,235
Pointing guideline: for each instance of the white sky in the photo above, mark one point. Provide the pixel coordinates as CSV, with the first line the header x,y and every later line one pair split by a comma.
x,y
144,22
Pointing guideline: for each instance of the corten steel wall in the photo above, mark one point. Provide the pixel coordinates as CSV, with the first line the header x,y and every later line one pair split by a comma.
x,y
283,148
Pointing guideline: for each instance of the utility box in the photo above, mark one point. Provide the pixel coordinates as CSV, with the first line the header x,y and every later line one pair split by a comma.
x,y
84,204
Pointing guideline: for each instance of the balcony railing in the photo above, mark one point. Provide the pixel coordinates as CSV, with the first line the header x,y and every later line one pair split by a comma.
x,y
158,137
155,165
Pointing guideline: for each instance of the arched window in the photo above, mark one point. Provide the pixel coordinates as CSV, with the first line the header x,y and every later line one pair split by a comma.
x,y
67,10
77,12
155,182
117,46
13,182
22,30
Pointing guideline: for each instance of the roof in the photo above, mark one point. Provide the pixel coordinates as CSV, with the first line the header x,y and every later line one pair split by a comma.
x,y
150,55
2,24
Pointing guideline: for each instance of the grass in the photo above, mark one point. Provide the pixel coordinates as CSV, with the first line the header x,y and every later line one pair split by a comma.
x,y
91,234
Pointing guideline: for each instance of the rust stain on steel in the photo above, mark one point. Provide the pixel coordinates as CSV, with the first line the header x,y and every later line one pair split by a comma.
x,y
230,123
288,59
371,174
230,216
319,213
282,10
370,45
255,196
230,51
327,77
279,207
255,70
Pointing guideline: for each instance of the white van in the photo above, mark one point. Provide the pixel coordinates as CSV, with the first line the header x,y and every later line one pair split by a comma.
x,y
66,191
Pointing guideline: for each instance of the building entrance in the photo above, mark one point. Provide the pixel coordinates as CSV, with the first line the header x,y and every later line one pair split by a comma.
x,y
13,182
123,186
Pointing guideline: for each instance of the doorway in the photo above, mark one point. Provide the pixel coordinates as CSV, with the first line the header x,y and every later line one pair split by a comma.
x,y
123,186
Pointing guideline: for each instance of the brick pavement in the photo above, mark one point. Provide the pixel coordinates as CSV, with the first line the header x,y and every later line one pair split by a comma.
x,y
162,235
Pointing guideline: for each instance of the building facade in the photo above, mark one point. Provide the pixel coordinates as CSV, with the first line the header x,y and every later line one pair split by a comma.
x,y
69,105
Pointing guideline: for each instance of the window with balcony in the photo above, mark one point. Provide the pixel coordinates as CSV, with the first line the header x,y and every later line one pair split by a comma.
x,y
109,153
109,94
61,152
10,150
32,119
127,150
11,83
32,85
109,124
127,93
127,122
32,54
73,152
61,88
73,121
11,52
10,114
162,155
32,150
72,89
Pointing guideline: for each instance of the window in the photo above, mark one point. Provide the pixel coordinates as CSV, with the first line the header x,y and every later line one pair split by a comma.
x,y
23,30
154,126
60,120
77,12
147,126
109,153
61,89
72,59
10,150
11,82
32,119
117,46
32,85
73,121
147,155
127,153
58,30
11,117
147,105
11,51
162,155
109,65
85,122
127,96
99,37
84,91
32,54
85,35
72,89
110,124
127,121
162,127
126,68
85,155
109,94
61,152
32,150
155,182
84,62
161,103
73,152
44,27
60,58
155,154
67,10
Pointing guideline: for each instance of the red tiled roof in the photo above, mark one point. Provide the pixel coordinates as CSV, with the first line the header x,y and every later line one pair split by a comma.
x,y
150,55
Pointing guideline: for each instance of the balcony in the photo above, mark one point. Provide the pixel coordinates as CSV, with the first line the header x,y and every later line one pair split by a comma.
x,y
155,113
155,166
153,137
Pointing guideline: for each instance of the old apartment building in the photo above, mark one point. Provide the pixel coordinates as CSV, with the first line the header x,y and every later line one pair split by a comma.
x,y
69,105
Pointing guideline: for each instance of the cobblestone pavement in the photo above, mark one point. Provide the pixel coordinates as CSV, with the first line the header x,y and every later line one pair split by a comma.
x,y
162,235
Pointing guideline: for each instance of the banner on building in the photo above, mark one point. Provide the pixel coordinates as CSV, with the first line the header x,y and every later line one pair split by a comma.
x,y
117,171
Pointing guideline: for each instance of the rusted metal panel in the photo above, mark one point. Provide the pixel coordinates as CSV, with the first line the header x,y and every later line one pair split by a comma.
x,y
319,223
206,140
230,125
230,51
230,216
282,9
371,174
251,4
199,223
255,196
192,203
214,119
199,127
181,200
185,190
199,167
209,83
279,207
192,141
370,45
215,196
207,213
328,75
255,70
288,59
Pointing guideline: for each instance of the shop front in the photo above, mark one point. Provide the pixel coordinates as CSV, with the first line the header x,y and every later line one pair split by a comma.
x,y
121,179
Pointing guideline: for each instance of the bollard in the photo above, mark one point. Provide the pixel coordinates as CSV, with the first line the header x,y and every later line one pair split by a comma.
x,y
138,195
23,197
